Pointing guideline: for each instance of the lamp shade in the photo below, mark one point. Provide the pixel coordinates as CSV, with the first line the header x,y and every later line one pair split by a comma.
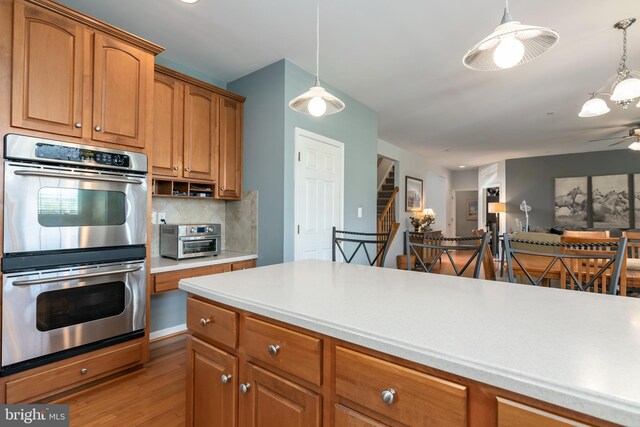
x,y
317,102
428,211
594,107
497,207
628,88
635,146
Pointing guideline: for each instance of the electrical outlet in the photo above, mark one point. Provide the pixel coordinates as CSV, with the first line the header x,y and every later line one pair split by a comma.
x,y
154,217
162,218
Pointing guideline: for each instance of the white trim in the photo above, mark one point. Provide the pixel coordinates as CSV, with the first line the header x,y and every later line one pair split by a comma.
x,y
167,331
338,144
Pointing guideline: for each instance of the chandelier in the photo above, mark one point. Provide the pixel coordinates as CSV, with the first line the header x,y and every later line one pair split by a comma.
x,y
622,88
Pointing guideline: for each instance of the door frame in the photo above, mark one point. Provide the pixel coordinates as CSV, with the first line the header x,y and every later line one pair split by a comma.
x,y
299,132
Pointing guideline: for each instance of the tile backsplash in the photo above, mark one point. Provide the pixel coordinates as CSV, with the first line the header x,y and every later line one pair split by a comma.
x,y
238,219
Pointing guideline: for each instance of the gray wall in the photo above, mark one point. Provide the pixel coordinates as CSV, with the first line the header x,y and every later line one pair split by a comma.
x,y
533,179
463,225
269,153
464,179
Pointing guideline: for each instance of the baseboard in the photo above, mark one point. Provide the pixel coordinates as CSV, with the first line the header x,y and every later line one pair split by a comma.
x,y
162,333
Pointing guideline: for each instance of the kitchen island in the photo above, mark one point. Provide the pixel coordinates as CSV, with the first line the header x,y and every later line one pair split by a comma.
x,y
482,352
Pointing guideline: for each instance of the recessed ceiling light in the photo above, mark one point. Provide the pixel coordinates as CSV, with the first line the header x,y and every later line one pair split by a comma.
x,y
189,1
462,166
448,150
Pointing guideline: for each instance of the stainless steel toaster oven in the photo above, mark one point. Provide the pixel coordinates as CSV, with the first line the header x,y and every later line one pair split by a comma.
x,y
180,241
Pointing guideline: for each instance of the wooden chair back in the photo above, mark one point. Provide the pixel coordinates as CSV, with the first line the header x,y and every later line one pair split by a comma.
x,y
352,242
488,265
468,249
586,233
633,258
579,263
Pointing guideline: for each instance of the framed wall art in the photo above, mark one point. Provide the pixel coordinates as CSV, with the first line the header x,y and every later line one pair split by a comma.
x,y
472,210
570,206
610,201
413,191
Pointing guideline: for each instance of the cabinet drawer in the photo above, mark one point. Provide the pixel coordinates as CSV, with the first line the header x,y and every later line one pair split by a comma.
x,y
243,265
62,377
345,417
512,413
163,282
418,398
210,321
297,353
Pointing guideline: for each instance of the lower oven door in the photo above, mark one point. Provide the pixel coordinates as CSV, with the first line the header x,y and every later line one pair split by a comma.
x,y
60,310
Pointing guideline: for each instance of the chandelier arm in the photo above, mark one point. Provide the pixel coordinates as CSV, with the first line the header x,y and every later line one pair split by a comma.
x,y
607,85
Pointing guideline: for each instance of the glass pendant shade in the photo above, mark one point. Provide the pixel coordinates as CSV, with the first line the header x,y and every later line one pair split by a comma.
x,y
628,88
594,107
317,102
635,146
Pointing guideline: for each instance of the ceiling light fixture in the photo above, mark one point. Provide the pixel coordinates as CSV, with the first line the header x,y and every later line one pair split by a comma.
x,y
510,44
317,101
622,88
189,1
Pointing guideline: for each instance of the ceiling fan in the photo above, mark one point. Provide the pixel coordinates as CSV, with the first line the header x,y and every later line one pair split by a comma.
x,y
634,133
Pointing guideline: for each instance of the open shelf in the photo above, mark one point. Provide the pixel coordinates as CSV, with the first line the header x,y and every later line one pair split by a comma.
x,y
172,188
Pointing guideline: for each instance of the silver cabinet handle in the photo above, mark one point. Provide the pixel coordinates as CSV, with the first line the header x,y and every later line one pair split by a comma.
x,y
175,167
187,169
221,188
204,322
388,396
59,175
78,125
244,388
225,379
273,349
98,128
83,371
74,277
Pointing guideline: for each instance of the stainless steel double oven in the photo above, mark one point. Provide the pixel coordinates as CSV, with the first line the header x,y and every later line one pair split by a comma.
x,y
75,229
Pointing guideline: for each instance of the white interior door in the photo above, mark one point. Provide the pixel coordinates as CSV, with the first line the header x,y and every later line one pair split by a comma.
x,y
319,193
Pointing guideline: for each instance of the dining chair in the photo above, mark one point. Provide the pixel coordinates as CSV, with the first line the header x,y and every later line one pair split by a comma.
x,y
352,242
633,259
426,254
586,233
468,250
578,263
488,263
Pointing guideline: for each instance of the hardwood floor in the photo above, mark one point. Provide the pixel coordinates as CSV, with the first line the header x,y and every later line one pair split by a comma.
x,y
154,396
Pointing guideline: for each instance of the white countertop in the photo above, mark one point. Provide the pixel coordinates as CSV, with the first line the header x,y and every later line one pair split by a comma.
x,y
577,350
162,265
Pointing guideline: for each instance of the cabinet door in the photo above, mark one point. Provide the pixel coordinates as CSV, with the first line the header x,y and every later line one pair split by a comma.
x,y
212,385
345,417
200,133
47,72
230,165
119,92
272,401
167,126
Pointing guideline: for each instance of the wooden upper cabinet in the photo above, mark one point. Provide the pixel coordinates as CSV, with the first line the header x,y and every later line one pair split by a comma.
x,y
200,133
167,126
119,92
75,76
47,72
230,167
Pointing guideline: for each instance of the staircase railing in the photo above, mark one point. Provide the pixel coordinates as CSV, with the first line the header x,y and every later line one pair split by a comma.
x,y
387,219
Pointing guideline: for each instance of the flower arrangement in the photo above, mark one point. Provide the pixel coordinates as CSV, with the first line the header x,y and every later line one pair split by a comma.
x,y
423,222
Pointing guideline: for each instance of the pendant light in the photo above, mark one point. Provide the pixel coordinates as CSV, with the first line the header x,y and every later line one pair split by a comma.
x,y
510,44
622,88
317,101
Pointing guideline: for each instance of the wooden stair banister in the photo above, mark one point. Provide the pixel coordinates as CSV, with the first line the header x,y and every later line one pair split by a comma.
x,y
387,219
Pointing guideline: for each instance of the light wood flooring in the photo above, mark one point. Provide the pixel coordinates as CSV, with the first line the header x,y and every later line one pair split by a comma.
x,y
154,396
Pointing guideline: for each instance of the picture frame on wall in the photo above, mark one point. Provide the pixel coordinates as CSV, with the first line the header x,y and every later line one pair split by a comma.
x,y
472,210
610,201
570,202
413,194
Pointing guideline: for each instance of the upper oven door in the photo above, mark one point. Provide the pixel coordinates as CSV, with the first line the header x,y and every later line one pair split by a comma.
x,y
55,208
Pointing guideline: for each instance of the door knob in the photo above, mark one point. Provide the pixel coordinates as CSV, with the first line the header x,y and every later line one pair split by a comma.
x,y
273,349
388,396
221,188
98,128
83,371
175,167
244,388
78,125
225,378
187,169
204,322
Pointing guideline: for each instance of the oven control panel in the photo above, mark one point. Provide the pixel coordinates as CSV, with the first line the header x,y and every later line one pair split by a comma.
x,y
80,155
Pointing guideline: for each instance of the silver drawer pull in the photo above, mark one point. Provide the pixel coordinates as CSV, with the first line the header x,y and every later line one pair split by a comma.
x,y
388,396
273,349
225,379
79,125
98,128
83,371
205,322
244,388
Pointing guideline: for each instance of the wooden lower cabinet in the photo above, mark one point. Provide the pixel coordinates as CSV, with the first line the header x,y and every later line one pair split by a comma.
x,y
346,417
212,386
272,401
168,281
512,413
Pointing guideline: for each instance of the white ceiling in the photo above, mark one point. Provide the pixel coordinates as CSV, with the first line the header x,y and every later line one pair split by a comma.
x,y
404,60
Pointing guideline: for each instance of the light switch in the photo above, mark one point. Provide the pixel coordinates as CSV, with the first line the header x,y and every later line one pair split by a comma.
x,y
154,217
359,211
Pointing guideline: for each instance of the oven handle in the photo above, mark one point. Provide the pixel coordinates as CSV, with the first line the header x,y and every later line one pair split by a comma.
x,y
74,176
74,276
